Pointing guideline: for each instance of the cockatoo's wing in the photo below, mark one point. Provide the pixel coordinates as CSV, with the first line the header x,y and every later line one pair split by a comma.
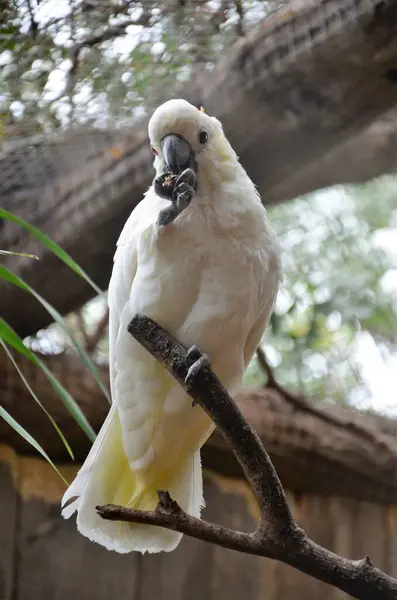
x,y
268,299
149,409
125,260
124,270
120,285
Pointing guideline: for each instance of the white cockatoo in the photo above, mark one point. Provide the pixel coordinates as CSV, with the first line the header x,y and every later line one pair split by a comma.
x,y
208,272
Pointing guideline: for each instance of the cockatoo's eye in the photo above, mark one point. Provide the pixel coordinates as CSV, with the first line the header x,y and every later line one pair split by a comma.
x,y
203,137
154,151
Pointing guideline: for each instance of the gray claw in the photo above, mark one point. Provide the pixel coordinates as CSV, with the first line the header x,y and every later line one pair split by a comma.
x,y
196,360
183,200
167,215
192,355
187,176
183,189
182,195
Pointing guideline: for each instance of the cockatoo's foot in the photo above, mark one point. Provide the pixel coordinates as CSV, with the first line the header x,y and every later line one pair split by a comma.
x,y
167,215
182,192
193,355
187,176
166,504
164,185
195,360
201,362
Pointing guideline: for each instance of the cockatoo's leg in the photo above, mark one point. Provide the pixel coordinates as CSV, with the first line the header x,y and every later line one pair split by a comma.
x,y
179,191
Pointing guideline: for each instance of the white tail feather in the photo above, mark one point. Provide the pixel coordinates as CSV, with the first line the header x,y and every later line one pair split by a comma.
x,y
106,478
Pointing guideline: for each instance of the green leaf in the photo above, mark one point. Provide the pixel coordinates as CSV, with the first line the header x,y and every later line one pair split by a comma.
x,y
8,33
275,322
8,335
25,381
17,281
30,439
7,253
13,339
61,254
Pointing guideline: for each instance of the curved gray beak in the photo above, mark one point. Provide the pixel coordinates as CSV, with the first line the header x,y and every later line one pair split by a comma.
x,y
177,154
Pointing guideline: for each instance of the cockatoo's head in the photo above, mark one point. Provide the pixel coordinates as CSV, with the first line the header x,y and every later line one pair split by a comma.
x,y
182,136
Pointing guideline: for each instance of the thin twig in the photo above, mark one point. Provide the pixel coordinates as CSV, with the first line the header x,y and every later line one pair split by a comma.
x,y
33,23
94,339
108,33
240,14
262,360
278,535
115,30
82,326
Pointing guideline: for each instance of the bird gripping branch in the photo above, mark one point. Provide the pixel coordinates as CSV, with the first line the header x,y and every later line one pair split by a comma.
x,y
198,256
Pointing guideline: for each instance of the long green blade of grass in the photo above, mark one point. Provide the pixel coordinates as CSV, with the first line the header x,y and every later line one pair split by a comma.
x,y
7,253
26,383
11,338
30,439
17,281
61,254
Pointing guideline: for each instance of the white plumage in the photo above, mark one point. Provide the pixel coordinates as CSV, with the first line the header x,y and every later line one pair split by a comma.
x,y
210,278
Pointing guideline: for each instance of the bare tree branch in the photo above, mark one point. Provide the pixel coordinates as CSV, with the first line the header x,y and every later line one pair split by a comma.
x,y
115,30
108,33
94,339
33,23
299,401
240,13
82,326
266,368
278,536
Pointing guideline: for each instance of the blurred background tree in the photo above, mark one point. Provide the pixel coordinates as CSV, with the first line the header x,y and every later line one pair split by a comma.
x,y
307,96
68,63
93,61
340,261
338,296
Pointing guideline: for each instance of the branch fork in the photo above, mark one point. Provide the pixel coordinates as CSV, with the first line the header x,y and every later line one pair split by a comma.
x,y
278,536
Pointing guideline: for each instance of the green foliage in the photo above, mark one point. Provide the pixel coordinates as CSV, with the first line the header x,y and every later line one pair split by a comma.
x,y
62,323
26,436
10,339
65,63
34,396
55,249
69,62
335,271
